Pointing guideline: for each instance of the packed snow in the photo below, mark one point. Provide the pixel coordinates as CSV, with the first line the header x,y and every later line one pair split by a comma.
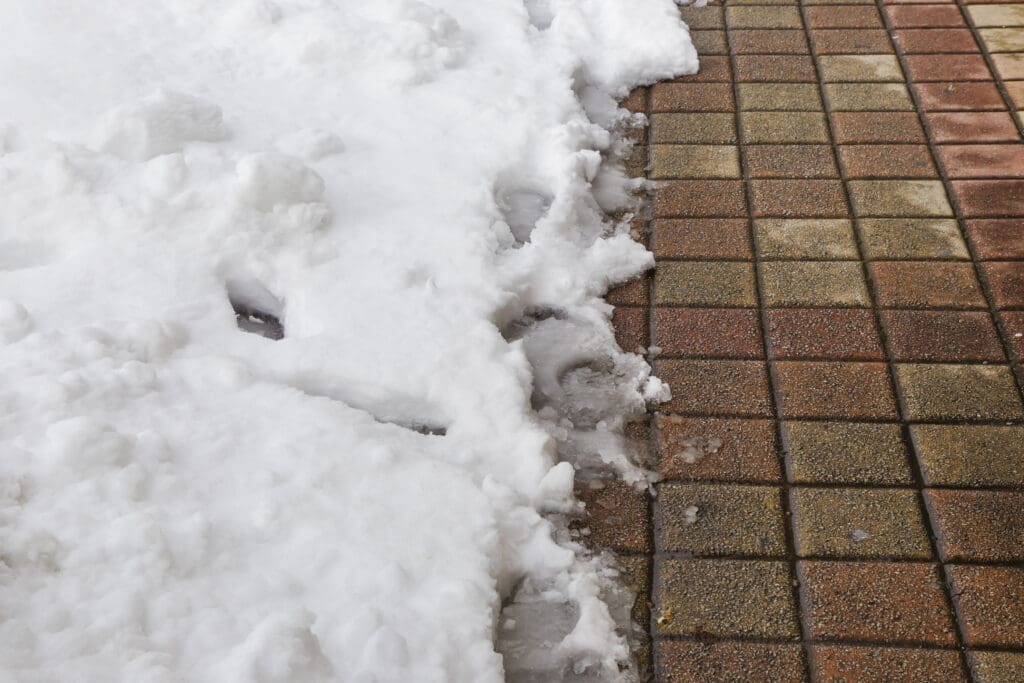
x,y
302,341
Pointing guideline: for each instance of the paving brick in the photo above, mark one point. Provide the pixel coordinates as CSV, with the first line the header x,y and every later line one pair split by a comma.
x,y
763,17
705,283
967,96
694,161
858,664
779,97
636,101
843,17
893,161
926,40
790,161
700,199
728,661
946,67
725,598
716,388
730,519
978,526
700,128
713,69
970,455
711,42
616,515
632,293
759,41
708,332
990,605
996,667
702,238
774,68
912,238
805,238
958,392
972,127
1006,282
630,327
846,41
875,601
1009,66
902,16
634,572
858,523
884,198
995,239
1015,89
636,161
822,333
809,284
995,198
845,453
858,127
860,68
831,389
1013,324
997,15
803,198
980,161
868,97
703,17
717,449
919,284
951,336
691,97
782,127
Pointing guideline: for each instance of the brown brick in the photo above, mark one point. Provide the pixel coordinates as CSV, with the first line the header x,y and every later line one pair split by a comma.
x,y
967,96
895,198
775,68
694,128
912,238
951,336
972,127
831,389
708,332
1006,282
864,16
763,17
845,453
703,17
724,598
996,667
857,127
713,69
727,661
875,601
694,161
700,198
705,283
630,328
703,238
855,664
1009,15
1014,335
798,198
782,127
805,238
790,161
779,97
816,333
978,526
970,455
632,293
759,41
860,68
847,42
1010,67
616,515
904,16
716,387
711,42
894,161
983,198
692,97
990,604
868,97
980,161
808,284
933,392
730,519
636,101
921,284
717,449
995,239
946,67
925,40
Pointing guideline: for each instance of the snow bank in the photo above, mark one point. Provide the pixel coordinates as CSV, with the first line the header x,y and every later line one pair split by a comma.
x,y
408,189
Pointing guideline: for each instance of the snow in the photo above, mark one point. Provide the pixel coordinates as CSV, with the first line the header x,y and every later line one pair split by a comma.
x,y
413,192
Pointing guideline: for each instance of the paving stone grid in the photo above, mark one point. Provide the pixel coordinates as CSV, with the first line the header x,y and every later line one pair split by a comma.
x,y
839,303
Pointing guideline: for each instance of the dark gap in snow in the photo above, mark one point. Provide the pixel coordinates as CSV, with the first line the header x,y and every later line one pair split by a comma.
x,y
522,209
531,316
256,309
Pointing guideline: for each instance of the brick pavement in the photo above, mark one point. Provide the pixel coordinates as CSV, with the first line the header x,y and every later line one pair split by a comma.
x,y
839,303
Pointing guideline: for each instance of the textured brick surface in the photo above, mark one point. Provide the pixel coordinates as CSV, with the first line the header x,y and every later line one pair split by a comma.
x,y
813,284
721,519
845,453
700,283
716,387
707,239
790,161
922,284
990,603
951,336
616,515
912,239
718,449
708,332
830,389
852,664
959,392
978,526
816,333
727,661
970,455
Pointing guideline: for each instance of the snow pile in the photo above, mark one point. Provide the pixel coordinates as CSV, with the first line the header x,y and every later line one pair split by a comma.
x,y
411,193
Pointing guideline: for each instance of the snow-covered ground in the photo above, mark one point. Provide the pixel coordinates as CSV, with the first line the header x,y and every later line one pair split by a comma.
x,y
415,190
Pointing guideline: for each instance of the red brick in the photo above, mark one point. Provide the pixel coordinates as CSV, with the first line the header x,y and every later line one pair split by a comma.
x,y
990,605
630,328
972,127
922,16
713,69
926,40
829,389
875,601
847,41
850,16
717,239
632,293
982,161
887,161
748,450
616,515
700,198
972,96
690,97
978,526
995,239
850,664
838,333
721,661
708,332
759,41
946,67
798,198
1013,324
858,127
1006,282
921,284
952,336
984,198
